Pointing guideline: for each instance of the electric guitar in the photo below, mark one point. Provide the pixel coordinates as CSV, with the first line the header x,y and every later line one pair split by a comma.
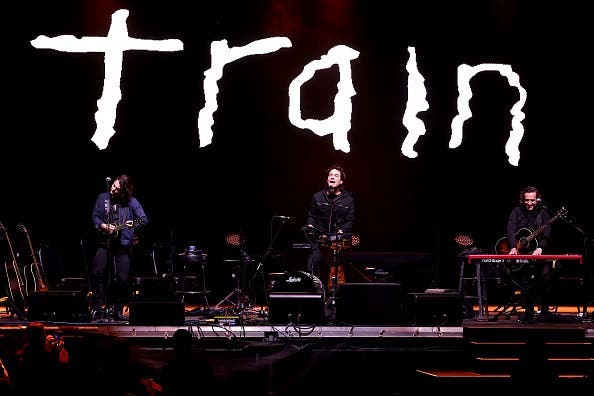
x,y
17,290
33,274
526,241
115,233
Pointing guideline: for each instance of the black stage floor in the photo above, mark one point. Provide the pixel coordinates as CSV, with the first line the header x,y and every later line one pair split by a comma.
x,y
249,354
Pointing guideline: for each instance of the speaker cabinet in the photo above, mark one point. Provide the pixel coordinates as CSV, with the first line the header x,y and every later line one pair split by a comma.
x,y
435,309
157,313
295,308
153,289
58,306
369,303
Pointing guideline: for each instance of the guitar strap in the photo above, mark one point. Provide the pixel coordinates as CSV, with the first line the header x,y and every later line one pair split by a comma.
x,y
115,214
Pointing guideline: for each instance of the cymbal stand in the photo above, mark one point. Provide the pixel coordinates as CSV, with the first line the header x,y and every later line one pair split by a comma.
x,y
241,300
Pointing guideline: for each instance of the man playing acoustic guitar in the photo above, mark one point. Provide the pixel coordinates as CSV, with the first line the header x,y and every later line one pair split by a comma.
x,y
116,215
528,232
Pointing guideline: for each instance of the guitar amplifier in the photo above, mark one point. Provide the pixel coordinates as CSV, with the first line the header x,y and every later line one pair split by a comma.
x,y
435,308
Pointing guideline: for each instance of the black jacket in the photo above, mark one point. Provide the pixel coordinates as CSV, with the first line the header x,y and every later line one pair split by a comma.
x,y
522,223
329,214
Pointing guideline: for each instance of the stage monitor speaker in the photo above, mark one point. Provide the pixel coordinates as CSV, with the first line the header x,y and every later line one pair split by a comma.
x,y
157,313
58,306
154,289
299,308
435,308
370,303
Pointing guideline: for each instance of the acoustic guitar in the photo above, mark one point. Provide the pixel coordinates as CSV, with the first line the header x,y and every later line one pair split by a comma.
x,y
17,290
33,273
526,241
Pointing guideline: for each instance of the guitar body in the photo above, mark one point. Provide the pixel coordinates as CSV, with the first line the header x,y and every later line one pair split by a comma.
x,y
18,292
524,243
33,279
33,275
16,285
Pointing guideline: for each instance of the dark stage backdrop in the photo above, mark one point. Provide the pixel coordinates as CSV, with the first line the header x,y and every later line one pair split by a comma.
x,y
259,164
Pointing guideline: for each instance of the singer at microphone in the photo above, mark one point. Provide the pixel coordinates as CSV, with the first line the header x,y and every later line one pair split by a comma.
x,y
331,211
117,215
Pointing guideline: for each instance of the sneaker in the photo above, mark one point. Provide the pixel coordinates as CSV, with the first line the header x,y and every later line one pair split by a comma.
x,y
97,314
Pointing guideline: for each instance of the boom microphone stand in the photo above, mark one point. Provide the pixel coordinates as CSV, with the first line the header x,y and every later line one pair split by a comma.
x,y
587,273
260,267
334,279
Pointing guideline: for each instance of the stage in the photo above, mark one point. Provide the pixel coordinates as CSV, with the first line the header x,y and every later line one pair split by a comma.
x,y
248,352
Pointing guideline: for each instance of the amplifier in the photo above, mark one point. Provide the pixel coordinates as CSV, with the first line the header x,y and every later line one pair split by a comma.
x,y
295,307
370,303
444,308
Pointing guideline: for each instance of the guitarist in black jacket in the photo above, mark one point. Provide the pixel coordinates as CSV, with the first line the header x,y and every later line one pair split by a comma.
x,y
116,216
526,218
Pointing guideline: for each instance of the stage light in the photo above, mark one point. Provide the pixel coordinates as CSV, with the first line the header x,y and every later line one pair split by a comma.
x,y
464,240
233,239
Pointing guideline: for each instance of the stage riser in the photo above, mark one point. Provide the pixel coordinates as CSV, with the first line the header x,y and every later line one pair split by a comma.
x,y
156,313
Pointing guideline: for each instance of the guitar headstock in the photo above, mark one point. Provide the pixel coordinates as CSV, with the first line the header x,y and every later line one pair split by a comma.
x,y
21,227
562,212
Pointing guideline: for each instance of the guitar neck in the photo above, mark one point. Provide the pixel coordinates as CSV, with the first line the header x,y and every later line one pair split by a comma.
x,y
540,229
40,283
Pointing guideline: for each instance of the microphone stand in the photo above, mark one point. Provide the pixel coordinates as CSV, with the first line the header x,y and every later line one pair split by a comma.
x,y
334,278
259,268
107,290
588,276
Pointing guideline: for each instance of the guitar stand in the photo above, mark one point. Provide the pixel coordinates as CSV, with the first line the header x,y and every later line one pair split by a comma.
x,y
12,308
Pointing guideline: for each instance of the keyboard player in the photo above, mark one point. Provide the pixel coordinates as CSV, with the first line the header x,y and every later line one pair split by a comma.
x,y
529,232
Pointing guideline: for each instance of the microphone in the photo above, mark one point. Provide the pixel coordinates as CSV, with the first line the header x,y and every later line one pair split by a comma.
x,y
541,204
108,179
284,217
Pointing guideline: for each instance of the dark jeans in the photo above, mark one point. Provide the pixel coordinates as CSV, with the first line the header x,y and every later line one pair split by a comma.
x,y
109,277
